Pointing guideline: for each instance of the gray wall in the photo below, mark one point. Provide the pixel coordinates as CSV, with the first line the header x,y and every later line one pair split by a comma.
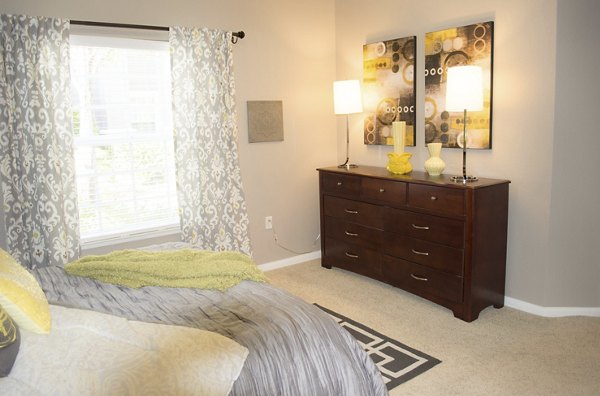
x,y
573,276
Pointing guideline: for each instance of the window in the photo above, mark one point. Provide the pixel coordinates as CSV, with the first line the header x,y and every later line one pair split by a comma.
x,y
121,109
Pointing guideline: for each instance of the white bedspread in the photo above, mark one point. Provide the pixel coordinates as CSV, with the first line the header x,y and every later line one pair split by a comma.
x,y
93,353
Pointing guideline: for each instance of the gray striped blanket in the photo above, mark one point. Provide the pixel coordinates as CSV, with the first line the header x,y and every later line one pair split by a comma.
x,y
295,348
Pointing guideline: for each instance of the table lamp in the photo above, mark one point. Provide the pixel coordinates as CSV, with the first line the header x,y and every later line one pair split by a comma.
x,y
347,99
464,92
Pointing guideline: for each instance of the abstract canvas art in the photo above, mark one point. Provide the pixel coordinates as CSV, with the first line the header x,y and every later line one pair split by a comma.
x,y
265,121
466,45
389,89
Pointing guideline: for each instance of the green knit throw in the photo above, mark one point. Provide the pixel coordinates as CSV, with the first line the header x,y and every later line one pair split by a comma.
x,y
175,268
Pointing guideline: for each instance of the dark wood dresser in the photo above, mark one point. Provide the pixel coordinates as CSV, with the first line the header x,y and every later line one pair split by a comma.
x,y
435,238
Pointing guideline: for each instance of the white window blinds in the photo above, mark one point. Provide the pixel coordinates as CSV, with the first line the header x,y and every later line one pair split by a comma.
x,y
121,109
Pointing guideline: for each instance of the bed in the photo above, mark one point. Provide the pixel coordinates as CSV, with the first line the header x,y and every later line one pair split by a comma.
x,y
293,348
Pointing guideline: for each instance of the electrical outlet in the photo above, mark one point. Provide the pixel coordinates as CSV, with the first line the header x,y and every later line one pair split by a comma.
x,y
268,222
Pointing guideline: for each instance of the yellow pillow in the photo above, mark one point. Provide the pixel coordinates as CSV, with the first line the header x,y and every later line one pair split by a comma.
x,y
22,297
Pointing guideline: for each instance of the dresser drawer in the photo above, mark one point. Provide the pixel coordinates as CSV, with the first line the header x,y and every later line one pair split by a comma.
x,y
353,233
430,254
341,184
353,211
352,257
437,229
438,199
421,280
385,191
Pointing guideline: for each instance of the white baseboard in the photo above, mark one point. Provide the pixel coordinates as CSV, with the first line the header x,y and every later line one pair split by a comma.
x,y
290,261
550,312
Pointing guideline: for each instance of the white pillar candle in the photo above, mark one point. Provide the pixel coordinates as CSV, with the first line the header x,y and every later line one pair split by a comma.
x,y
399,131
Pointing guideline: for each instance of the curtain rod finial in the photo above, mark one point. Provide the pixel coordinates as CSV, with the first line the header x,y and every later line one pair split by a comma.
x,y
235,36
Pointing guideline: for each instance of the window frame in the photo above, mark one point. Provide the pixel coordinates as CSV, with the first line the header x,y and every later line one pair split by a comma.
x,y
129,39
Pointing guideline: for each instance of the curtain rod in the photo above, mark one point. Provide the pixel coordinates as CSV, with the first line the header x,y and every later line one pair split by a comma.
x,y
234,35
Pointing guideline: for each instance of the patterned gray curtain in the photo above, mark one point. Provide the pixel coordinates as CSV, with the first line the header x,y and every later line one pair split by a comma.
x,y
37,176
211,199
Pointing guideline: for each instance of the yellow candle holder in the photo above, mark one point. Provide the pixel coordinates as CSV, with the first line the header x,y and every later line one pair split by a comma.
x,y
399,164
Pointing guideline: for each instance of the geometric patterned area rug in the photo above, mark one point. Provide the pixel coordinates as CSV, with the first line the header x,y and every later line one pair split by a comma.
x,y
396,361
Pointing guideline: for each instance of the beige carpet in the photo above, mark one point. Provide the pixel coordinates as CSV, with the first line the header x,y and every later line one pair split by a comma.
x,y
504,352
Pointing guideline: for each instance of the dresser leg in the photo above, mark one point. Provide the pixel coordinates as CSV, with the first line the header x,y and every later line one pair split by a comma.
x,y
467,316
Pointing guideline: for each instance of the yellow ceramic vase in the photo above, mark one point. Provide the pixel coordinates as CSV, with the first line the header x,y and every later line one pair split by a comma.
x,y
399,164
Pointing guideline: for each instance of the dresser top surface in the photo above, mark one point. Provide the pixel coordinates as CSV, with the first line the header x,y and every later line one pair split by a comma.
x,y
412,177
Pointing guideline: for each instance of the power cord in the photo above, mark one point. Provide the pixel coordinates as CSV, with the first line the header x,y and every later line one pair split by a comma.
x,y
292,250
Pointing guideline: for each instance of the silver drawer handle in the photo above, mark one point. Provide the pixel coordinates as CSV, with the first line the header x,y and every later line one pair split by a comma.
x,y
339,183
420,227
433,198
351,211
382,190
350,234
419,278
354,256
420,253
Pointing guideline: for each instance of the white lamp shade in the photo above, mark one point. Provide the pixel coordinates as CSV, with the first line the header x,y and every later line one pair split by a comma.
x,y
464,88
347,98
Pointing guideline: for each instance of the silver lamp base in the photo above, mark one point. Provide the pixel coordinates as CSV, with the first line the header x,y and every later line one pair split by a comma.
x,y
464,179
348,166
